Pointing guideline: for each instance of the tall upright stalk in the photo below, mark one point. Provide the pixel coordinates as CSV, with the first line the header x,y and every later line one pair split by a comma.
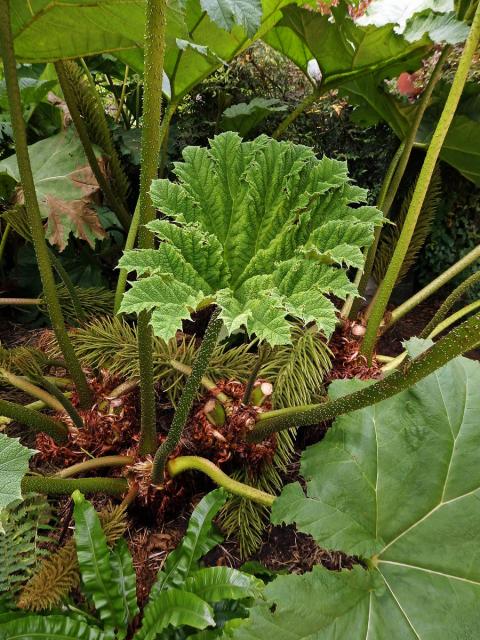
x,y
397,168
199,368
31,204
155,27
421,188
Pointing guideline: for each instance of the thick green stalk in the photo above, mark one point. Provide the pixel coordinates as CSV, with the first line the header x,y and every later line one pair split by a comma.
x,y
461,339
398,166
155,27
352,304
189,463
133,231
206,382
69,286
31,204
421,189
94,464
62,399
433,286
33,419
449,302
200,365
60,486
20,302
3,241
81,129
31,389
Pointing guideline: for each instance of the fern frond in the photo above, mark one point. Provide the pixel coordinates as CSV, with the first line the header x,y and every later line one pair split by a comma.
x,y
58,574
391,233
23,360
91,109
23,527
95,301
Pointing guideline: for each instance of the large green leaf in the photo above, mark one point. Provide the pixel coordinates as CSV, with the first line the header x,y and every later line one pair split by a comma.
x,y
95,564
66,188
262,228
198,540
176,608
30,627
14,459
46,31
244,117
398,484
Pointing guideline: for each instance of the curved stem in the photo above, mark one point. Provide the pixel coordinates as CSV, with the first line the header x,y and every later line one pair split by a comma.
x,y
60,486
299,109
33,419
206,382
94,463
3,241
31,204
155,27
28,387
64,401
421,188
433,286
461,339
200,364
188,463
449,302
122,95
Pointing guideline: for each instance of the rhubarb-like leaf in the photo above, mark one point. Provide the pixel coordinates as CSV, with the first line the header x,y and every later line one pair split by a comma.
x,y
263,229
397,484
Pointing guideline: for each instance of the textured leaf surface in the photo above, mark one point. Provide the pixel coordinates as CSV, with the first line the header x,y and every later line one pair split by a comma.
x,y
214,584
245,116
399,483
176,608
95,564
262,228
66,188
123,575
49,628
198,540
14,459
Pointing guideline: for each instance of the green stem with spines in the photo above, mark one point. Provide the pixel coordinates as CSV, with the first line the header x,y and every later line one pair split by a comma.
x,y
31,204
155,29
421,189
94,464
64,401
449,301
433,286
66,486
461,339
31,389
399,165
33,419
200,365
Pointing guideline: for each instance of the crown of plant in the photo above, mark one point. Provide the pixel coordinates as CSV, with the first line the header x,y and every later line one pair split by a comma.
x,y
263,229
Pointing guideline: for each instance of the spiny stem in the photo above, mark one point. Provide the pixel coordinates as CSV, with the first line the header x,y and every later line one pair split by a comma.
x,y
60,486
3,241
155,28
189,463
200,365
93,464
449,302
205,381
31,204
28,387
64,401
433,286
461,339
421,188
33,419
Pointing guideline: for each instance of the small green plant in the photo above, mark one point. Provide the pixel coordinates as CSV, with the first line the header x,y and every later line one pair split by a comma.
x,y
184,594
